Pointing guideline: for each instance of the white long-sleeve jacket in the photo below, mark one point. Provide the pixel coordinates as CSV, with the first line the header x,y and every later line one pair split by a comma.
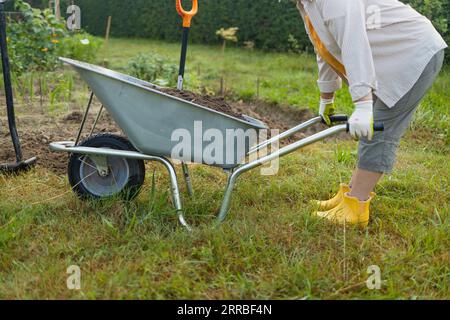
x,y
384,45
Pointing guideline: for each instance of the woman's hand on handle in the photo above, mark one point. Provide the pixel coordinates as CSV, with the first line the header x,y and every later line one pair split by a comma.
x,y
327,109
361,123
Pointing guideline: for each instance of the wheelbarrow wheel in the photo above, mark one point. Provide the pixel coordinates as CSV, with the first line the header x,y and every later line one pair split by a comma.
x,y
124,178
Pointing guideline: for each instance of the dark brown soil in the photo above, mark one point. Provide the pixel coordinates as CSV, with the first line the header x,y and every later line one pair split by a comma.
x,y
37,133
215,103
35,144
75,116
277,117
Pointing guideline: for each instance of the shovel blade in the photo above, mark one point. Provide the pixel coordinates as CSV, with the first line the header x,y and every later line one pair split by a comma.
x,y
16,168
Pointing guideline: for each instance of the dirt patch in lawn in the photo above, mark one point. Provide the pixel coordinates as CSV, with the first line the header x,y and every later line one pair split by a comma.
x,y
35,145
38,131
278,117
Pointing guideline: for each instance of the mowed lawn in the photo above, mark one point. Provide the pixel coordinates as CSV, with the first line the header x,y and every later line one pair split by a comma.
x,y
270,246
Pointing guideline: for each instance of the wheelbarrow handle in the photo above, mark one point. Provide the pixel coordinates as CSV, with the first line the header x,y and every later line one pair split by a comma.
x,y
342,118
338,118
187,15
377,127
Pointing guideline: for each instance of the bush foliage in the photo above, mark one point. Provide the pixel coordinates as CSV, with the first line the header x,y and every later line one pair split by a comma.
x,y
153,68
36,39
270,24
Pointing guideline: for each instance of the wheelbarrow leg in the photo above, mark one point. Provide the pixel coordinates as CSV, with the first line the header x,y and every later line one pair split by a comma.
x,y
273,156
175,192
227,197
187,179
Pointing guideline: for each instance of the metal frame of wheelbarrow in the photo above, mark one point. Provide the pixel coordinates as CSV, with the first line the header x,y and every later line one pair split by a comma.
x,y
284,152
70,147
233,174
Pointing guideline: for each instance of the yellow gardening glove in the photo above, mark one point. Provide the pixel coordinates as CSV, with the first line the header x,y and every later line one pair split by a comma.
x,y
326,109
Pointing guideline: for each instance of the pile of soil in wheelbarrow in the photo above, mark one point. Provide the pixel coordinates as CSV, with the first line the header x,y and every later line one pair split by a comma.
x,y
275,116
215,103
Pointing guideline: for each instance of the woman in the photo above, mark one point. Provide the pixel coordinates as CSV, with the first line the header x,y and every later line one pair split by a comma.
x,y
389,55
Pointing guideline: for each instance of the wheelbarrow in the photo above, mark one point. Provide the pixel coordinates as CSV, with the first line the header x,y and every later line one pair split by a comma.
x,y
106,165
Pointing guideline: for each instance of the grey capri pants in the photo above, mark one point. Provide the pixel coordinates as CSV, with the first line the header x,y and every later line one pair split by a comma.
x,y
379,155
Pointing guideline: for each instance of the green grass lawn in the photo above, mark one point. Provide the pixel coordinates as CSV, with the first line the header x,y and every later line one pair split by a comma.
x,y
270,246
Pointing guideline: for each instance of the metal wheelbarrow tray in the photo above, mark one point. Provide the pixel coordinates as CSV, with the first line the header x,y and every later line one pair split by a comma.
x,y
149,117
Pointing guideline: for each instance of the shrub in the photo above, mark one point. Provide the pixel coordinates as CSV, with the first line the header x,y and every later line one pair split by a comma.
x,y
80,46
153,68
36,40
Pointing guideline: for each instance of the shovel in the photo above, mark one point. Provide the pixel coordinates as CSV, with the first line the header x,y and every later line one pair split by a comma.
x,y
20,164
187,18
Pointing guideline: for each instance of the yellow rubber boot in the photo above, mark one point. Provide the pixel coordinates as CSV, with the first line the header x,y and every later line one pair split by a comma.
x,y
350,211
335,201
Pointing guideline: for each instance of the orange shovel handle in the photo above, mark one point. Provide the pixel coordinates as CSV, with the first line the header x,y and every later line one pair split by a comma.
x,y
187,15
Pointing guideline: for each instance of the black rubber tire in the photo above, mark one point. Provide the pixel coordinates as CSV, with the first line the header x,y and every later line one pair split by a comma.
x,y
136,170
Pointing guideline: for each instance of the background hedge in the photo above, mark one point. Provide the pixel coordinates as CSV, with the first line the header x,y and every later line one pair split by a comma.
x,y
268,23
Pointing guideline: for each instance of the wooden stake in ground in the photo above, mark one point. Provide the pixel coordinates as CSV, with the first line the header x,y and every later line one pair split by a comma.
x,y
58,9
108,30
41,94
222,86
258,84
